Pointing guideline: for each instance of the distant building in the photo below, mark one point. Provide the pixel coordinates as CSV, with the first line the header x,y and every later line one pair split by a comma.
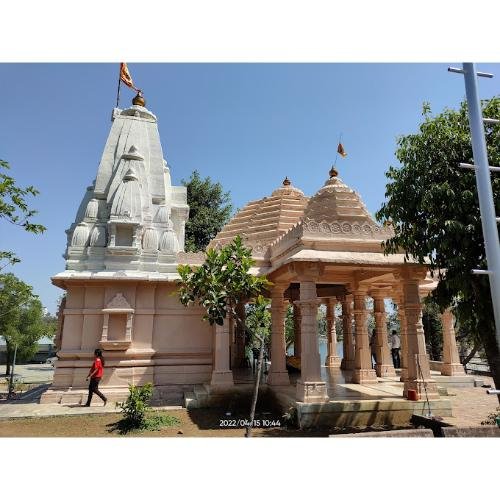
x,y
46,349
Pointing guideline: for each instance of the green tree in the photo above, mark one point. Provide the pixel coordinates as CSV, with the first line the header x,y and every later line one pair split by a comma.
x,y
209,210
289,327
321,321
433,330
21,319
221,283
433,207
14,209
51,324
258,320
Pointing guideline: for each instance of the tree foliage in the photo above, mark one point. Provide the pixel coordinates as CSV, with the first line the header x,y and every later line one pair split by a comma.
x,y
434,209
258,318
22,321
209,210
14,209
433,330
289,327
219,285
221,282
51,325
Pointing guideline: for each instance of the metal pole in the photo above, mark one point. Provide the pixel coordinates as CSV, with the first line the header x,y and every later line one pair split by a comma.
x,y
484,189
11,382
119,85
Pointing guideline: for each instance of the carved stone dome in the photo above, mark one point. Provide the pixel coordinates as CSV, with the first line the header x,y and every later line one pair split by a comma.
x,y
92,209
80,235
150,239
169,243
162,215
262,221
98,236
127,199
288,190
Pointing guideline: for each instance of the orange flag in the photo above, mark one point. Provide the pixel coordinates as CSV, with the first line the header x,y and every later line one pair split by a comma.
x,y
126,78
340,150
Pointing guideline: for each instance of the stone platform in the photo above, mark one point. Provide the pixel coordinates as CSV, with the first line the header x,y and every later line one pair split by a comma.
x,y
349,404
358,405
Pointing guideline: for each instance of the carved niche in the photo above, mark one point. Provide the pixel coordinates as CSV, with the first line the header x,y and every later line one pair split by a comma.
x,y
117,324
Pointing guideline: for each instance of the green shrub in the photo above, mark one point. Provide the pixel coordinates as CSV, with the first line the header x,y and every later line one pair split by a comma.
x,y
138,415
158,421
136,405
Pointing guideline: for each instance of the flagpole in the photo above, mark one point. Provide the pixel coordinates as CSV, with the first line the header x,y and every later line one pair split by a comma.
x,y
119,84
337,154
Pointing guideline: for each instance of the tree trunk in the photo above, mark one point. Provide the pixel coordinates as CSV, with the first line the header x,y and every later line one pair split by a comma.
x,y
256,389
471,354
493,357
8,359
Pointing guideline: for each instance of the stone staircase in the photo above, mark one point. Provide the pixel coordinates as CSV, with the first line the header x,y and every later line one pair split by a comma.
x,y
203,397
171,395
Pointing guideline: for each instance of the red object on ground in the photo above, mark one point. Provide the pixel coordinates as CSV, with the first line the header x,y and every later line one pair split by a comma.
x,y
412,395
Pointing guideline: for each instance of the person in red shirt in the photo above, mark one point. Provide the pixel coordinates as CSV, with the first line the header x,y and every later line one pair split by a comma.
x,y
95,375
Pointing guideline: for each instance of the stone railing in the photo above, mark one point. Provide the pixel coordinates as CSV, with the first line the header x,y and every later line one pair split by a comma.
x,y
286,239
346,228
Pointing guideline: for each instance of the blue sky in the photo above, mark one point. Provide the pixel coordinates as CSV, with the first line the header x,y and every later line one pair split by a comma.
x,y
245,125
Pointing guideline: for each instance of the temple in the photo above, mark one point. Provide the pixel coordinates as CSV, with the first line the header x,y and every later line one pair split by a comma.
x,y
120,280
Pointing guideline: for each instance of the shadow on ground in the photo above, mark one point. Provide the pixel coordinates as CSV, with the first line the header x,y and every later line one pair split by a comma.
x,y
273,421
32,395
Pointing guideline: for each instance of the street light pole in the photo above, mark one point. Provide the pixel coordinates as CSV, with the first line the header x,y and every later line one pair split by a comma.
x,y
13,367
484,189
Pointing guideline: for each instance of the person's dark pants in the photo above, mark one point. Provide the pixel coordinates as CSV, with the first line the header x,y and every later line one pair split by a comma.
x,y
94,388
395,358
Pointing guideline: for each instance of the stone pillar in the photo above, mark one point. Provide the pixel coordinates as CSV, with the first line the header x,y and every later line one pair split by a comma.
x,y
451,360
363,372
348,342
278,374
222,376
417,363
384,366
403,353
310,387
332,359
297,319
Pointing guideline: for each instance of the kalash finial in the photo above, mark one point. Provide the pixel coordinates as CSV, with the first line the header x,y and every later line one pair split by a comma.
x,y
286,182
139,100
333,172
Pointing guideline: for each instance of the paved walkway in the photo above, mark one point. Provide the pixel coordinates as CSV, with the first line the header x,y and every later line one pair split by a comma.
x,y
33,373
471,405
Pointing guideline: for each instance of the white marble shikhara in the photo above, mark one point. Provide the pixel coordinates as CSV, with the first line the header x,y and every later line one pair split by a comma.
x,y
131,218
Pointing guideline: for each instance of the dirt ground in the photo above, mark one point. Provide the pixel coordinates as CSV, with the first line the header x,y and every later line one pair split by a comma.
x,y
214,422
471,405
193,423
